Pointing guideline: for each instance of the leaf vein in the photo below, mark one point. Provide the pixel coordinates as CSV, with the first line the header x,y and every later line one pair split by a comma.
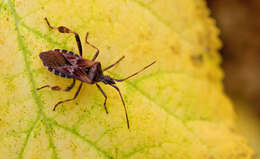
x,y
36,98
92,144
159,19
20,156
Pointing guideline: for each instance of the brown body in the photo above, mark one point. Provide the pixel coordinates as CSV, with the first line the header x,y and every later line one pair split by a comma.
x,y
70,65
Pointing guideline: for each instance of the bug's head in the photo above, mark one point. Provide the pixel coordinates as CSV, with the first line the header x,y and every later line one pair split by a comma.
x,y
107,80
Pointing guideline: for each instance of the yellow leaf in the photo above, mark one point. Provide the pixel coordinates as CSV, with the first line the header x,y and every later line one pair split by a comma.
x,y
177,108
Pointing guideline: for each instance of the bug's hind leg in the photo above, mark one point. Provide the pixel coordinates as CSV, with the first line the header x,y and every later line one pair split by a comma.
x,y
57,88
67,100
104,94
97,52
63,29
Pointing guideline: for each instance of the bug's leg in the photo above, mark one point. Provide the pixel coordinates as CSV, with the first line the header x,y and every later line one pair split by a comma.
x,y
104,94
63,29
122,99
114,64
71,85
57,88
67,100
97,52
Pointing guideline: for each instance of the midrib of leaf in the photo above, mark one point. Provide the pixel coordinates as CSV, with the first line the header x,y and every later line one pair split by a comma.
x,y
33,87
36,98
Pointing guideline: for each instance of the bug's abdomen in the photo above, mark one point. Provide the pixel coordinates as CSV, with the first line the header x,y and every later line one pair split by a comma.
x,y
53,60
58,73
66,64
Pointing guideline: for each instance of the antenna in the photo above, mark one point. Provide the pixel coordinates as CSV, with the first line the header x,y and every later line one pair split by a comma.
x,y
121,80
126,115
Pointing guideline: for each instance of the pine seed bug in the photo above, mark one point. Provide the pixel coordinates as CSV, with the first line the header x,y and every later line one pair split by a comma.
x,y
70,65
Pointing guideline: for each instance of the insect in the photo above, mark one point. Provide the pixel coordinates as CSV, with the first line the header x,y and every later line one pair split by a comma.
x,y
70,65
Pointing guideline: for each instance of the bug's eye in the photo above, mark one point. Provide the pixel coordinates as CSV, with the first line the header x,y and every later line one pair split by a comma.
x,y
87,70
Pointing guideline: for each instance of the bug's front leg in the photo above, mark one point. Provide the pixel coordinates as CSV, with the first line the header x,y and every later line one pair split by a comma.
x,y
58,88
114,64
97,52
122,99
104,94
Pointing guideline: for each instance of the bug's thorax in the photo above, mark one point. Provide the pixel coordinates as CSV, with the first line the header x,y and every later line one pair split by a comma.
x,y
94,73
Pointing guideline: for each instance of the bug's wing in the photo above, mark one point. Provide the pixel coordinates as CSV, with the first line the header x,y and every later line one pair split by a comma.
x,y
73,71
53,59
74,59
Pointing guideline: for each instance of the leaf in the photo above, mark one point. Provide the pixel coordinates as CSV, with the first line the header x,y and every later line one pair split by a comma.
x,y
177,108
